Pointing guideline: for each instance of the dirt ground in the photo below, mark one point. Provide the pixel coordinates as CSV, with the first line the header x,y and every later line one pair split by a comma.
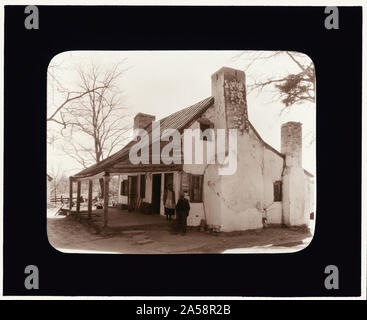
x,y
68,235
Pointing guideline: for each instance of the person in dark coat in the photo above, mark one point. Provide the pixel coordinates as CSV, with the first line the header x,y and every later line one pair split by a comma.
x,y
169,200
182,212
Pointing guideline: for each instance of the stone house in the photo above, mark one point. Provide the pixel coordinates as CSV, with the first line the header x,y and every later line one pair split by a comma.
x,y
267,183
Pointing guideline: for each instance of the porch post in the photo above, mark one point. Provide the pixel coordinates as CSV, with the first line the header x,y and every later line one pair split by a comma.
x,y
78,190
90,195
106,180
70,194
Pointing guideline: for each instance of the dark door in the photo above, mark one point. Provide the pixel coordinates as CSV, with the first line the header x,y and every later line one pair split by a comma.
x,y
156,193
133,193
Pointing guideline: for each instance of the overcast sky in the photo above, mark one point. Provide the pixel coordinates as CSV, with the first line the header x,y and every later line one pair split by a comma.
x,y
163,82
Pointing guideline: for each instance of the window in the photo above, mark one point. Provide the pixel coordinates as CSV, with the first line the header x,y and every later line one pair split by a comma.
x,y
203,126
142,186
124,188
278,191
196,188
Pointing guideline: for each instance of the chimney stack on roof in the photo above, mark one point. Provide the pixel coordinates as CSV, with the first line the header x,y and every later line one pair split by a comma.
x,y
141,120
229,92
291,143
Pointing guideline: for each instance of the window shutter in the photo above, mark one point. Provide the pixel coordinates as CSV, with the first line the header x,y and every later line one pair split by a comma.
x,y
124,187
277,187
196,188
142,186
200,186
191,191
275,191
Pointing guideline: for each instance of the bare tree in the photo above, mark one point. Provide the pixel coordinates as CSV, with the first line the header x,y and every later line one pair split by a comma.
x,y
95,123
290,87
56,115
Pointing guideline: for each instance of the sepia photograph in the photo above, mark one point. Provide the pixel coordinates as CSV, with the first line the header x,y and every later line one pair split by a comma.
x,y
176,152
183,157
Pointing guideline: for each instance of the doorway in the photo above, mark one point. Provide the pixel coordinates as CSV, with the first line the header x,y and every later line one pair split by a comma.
x,y
156,193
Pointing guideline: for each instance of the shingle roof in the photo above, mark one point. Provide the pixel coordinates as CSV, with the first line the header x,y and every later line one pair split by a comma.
x,y
178,120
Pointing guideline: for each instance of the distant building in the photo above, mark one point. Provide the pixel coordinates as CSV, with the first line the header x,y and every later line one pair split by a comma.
x,y
267,184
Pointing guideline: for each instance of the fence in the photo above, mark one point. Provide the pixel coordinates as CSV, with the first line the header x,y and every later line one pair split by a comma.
x,y
65,200
62,200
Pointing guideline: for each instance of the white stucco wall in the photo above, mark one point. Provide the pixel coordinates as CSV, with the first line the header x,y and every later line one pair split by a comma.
x,y
228,207
240,205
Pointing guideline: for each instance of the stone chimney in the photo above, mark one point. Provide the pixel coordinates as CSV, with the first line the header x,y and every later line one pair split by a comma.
x,y
229,92
291,143
293,183
141,120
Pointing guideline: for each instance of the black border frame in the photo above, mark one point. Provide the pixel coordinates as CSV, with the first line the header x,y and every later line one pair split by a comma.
x,y
337,55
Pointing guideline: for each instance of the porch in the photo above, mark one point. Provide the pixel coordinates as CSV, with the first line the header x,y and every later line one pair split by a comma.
x,y
142,188
121,219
